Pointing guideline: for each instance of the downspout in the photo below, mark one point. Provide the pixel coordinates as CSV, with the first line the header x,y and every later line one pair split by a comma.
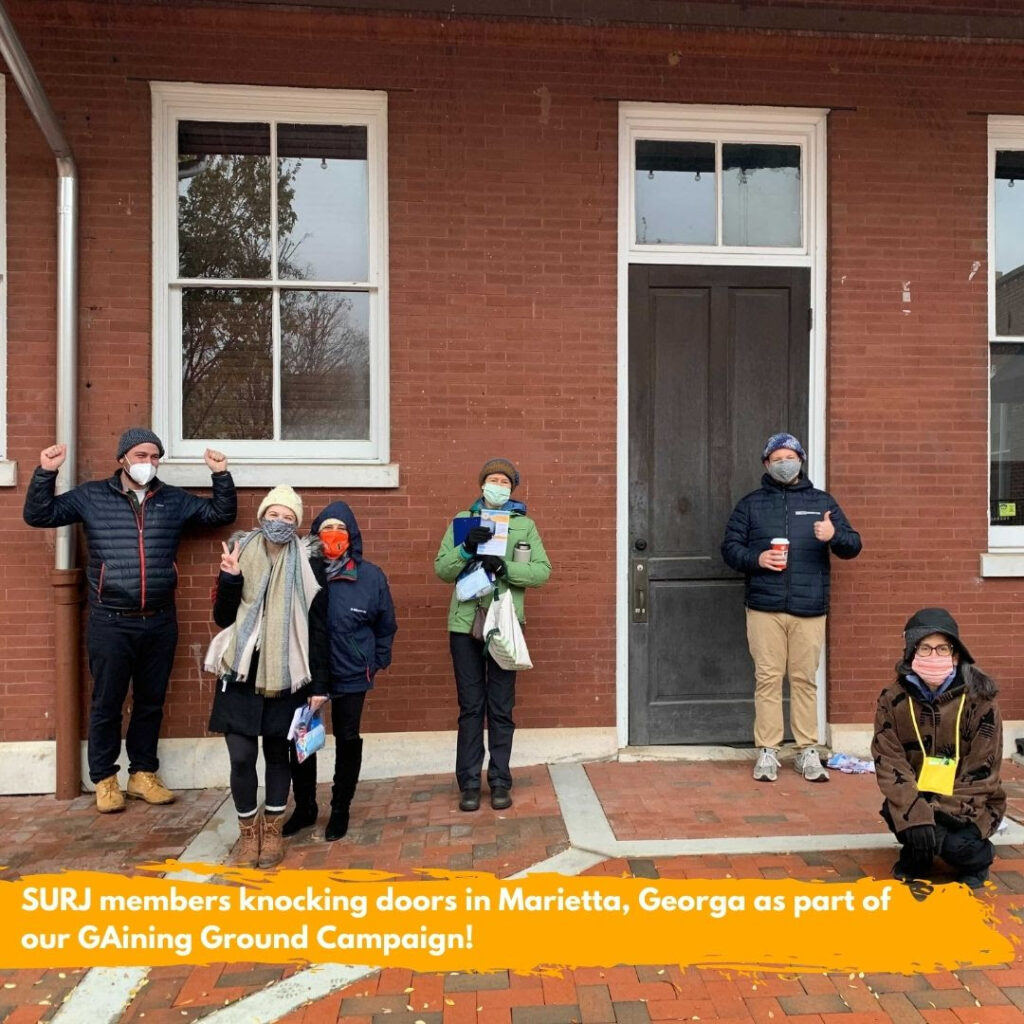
x,y
65,578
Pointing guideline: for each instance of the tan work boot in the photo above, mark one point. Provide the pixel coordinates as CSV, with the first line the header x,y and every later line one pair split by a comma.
x,y
147,786
109,798
250,835
272,850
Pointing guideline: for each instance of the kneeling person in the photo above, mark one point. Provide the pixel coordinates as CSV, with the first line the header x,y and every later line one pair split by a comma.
x,y
937,747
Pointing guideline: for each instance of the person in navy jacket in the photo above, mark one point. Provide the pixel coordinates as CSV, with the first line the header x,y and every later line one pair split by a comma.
x,y
355,641
133,524
786,597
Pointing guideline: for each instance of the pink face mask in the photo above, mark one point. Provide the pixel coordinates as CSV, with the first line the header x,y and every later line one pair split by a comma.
x,y
932,671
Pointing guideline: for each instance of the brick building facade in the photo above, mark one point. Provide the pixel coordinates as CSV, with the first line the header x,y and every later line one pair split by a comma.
x,y
505,308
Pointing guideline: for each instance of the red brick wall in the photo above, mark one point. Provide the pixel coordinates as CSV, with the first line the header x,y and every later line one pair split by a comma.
x,y
503,227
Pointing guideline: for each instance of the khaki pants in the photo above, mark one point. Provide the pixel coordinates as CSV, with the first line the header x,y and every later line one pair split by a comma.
x,y
782,644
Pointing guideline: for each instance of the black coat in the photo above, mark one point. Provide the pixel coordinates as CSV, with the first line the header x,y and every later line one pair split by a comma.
x,y
775,510
359,622
131,548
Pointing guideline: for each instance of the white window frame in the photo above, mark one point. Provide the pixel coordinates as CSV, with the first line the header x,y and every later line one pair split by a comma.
x,y
773,126
1005,556
265,463
8,467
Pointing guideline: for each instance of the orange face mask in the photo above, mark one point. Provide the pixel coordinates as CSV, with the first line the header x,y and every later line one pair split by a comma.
x,y
334,540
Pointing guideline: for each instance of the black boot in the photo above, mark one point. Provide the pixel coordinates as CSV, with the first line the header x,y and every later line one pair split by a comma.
x,y
348,761
304,791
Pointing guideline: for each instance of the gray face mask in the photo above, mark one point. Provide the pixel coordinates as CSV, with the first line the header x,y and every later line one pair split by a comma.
x,y
277,531
784,471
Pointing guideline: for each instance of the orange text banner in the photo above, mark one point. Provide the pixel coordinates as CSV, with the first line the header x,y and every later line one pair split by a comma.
x,y
473,921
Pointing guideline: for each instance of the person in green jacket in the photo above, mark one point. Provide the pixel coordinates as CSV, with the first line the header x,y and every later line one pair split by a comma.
x,y
483,686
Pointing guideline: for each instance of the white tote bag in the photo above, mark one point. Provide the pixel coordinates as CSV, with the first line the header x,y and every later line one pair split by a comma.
x,y
503,635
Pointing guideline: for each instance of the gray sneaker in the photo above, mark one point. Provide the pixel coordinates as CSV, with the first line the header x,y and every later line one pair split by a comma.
x,y
809,765
766,769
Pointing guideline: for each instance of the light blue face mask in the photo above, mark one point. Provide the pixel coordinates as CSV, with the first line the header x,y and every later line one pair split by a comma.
x,y
784,471
277,531
496,495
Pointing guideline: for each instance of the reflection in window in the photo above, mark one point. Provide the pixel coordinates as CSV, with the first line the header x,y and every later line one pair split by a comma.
x,y
325,365
675,193
227,386
237,342
323,204
1006,435
223,200
760,195
1008,207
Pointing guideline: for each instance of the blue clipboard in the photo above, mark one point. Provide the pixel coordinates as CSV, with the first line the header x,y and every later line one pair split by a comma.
x,y
461,528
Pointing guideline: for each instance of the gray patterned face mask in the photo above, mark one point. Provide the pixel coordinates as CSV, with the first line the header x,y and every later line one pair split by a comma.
x,y
784,471
277,531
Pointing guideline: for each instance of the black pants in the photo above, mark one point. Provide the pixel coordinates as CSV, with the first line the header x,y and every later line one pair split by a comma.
x,y
483,687
346,714
244,783
960,846
126,650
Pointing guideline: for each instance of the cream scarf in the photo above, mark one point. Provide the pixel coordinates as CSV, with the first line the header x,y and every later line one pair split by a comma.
x,y
273,618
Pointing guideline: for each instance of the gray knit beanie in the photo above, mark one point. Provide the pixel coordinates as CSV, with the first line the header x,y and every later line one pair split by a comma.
x,y
137,435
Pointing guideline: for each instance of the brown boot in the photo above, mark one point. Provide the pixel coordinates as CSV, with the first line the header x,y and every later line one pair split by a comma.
x,y
250,834
147,786
272,851
109,798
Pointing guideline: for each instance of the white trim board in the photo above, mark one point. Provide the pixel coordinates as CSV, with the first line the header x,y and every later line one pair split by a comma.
x,y
202,763
729,123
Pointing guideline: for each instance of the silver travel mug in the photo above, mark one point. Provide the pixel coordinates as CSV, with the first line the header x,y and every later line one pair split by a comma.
x,y
521,552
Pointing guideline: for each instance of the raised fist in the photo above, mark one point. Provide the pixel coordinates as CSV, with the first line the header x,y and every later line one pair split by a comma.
x,y
52,458
217,461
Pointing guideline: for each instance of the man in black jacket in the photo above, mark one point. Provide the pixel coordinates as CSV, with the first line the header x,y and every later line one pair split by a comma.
x,y
786,596
133,523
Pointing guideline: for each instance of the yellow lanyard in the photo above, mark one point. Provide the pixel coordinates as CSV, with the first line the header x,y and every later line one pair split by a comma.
x,y
917,731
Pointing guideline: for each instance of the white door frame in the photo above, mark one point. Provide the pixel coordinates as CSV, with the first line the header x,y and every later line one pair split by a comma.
x,y
786,125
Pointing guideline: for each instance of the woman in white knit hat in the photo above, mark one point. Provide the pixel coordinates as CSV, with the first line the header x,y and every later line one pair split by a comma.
x,y
266,595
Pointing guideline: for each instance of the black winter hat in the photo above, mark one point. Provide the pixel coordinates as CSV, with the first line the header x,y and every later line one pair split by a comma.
x,y
932,620
134,436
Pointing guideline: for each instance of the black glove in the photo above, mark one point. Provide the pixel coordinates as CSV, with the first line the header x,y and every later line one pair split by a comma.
x,y
920,842
477,535
494,564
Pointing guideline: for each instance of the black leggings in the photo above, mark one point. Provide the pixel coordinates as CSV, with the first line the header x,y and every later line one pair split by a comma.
x,y
243,750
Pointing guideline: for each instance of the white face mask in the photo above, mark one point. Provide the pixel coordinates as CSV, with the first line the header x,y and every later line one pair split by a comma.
x,y
496,495
142,472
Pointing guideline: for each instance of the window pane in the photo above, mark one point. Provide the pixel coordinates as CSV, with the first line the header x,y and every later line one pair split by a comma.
x,y
1009,231
760,195
325,365
675,192
322,202
227,363
1006,435
223,200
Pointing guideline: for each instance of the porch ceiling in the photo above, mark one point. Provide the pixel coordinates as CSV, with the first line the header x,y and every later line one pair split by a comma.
x,y
972,22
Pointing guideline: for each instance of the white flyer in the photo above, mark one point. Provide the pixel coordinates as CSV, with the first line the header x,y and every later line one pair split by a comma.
x,y
498,520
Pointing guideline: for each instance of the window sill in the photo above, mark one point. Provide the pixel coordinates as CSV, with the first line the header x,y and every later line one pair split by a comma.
x,y
268,473
1009,562
8,473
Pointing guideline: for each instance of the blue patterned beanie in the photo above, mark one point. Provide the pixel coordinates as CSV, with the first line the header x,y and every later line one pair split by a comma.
x,y
777,441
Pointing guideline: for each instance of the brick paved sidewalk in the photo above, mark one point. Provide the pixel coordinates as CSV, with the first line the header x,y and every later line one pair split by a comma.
x,y
414,822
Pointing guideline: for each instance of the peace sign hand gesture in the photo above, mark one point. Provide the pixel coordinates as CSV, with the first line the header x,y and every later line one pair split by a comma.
x,y
229,559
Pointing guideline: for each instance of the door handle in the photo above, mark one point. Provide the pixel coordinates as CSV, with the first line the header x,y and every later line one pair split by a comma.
x,y
639,591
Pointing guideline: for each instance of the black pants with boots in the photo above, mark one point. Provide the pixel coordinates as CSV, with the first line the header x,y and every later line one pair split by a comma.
x,y
346,714
960,846
128,650
483,687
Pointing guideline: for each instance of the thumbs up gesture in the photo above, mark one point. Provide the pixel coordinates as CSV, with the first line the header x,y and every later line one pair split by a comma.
x,y
823,528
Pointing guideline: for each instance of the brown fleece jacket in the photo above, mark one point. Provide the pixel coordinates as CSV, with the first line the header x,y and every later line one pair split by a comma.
x,y
978,795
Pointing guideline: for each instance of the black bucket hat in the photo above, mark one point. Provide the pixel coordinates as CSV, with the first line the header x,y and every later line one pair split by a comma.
x,y
932,620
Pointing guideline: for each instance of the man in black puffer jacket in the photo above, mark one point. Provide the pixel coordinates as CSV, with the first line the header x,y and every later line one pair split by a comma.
x,y
786,596
133,523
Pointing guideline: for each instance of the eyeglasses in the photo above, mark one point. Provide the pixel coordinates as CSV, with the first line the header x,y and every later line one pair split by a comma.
x,y
926,650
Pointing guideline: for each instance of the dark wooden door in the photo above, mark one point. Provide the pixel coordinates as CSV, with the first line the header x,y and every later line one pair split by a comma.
x,y
718,361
